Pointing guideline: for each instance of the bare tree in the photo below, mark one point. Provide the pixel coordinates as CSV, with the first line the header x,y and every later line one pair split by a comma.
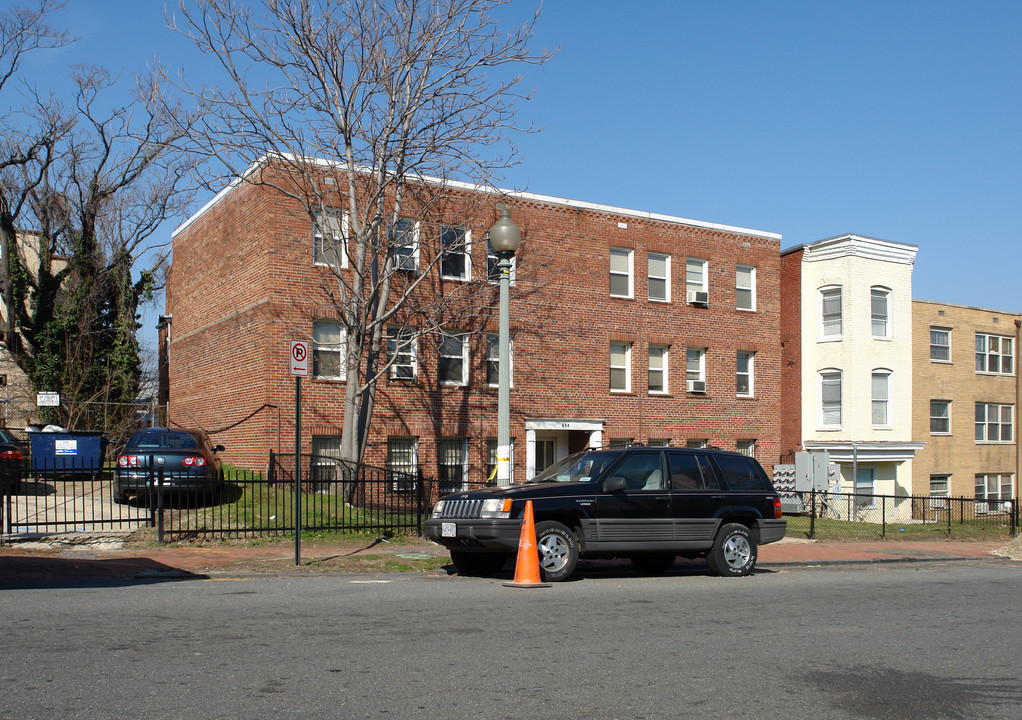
x,y
343,107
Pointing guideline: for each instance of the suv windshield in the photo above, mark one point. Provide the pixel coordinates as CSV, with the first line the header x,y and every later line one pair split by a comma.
x,y
580,467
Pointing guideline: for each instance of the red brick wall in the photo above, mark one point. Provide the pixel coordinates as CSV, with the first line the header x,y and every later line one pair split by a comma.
x,y
791,351
243,284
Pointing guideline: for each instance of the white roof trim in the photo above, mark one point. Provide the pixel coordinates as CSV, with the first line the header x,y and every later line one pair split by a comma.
x,y
507,193
859,246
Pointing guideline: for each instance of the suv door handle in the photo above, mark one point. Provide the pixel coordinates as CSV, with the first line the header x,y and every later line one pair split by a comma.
x,y
717,497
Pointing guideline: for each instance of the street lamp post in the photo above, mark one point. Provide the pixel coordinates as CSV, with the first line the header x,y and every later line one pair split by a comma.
x,y
505,236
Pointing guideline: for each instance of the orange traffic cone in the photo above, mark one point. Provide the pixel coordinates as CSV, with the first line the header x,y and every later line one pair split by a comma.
x,y
527,564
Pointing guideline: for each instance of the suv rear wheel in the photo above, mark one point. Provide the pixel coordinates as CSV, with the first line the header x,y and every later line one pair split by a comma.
x,y
734,551
558,550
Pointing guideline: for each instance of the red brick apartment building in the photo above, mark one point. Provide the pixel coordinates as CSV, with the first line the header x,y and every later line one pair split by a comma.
x,y
626,326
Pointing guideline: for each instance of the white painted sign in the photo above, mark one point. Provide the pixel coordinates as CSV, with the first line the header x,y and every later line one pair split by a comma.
x,y
47,399
300,358
65,447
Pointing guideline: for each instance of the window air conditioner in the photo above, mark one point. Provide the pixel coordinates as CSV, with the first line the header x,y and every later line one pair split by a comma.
x,y
697,297
697,386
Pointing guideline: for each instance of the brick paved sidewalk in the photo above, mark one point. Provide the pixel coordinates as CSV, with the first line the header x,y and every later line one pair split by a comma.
x,y
106,558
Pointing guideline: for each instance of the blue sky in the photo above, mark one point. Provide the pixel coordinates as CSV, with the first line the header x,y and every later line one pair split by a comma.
x,y
897,120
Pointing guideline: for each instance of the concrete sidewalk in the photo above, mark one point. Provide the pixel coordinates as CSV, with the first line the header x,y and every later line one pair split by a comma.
x,y
111,558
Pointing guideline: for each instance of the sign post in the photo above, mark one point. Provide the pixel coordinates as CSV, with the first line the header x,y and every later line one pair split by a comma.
x,y
299,365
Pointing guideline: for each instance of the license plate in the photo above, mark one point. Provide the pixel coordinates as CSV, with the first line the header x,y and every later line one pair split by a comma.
x,y
448,530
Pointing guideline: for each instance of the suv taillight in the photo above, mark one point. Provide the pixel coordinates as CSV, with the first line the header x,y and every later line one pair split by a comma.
x,y
777,507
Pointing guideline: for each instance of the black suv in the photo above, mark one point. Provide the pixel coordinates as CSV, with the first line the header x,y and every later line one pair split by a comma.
x,y
649,504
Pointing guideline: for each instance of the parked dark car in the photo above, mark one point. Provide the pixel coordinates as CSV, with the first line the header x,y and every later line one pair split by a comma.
x,y
648,504
12,463
188,459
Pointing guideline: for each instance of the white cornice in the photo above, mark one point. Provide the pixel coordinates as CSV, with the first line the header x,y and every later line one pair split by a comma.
x,y
847,451
502,193
859,246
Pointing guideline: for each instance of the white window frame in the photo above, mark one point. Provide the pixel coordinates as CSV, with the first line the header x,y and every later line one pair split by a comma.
x,y
462,356
493,358
626,367
629,255
939,479
321,348
408,468
825,376
824,292
695,371
1003,357
1003,483
947,333
946,418
751,288
666,277
700,266
409,343
411,264
877,292
661,353
982,425
750,373
746,447
696,443
323,222
459,446
881,403
465,252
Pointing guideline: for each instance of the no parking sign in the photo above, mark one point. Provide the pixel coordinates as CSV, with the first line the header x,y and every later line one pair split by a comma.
x,y
299,358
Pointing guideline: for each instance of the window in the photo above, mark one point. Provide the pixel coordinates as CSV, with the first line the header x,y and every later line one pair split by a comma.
x,y
994,354
939,486
453,366
830,314
744,384
642,471
880,311
865,484
690,472
404,244
746,447
492,270
881,398
401,350
620,367
328,233
658,442
830,399
658,369
453,462
402,462
940,344
695,365
745,287
994,422
620,272
695,275
493,361
993,487
455,248
327,350
326,455
696,443
940,417
659,277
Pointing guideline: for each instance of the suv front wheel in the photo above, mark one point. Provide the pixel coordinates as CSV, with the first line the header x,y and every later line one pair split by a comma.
x,y
734,551
558,550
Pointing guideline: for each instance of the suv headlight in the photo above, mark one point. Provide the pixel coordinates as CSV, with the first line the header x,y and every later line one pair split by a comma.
x,y
438,509
496,508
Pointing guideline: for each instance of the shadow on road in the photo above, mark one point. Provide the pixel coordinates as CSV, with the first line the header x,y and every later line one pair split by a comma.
x,y
36,571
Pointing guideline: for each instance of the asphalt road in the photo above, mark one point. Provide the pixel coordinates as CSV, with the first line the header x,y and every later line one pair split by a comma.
x,y
928,640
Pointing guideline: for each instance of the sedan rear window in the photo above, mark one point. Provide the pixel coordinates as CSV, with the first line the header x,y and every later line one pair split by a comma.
x,y
163,440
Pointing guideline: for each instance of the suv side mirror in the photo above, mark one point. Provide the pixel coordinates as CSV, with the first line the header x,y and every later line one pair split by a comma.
x,y
218,448
615,484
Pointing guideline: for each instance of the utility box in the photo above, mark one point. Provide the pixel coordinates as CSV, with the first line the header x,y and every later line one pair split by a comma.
x,y
76,451
812,470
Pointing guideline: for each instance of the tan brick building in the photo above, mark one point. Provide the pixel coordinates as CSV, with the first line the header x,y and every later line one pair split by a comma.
x,y
626,325
965,401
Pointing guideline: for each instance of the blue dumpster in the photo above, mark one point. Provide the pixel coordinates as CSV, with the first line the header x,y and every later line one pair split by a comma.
x,y
74,451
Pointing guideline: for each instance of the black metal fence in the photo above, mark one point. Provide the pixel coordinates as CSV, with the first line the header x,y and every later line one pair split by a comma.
x,y
336,496
858,516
